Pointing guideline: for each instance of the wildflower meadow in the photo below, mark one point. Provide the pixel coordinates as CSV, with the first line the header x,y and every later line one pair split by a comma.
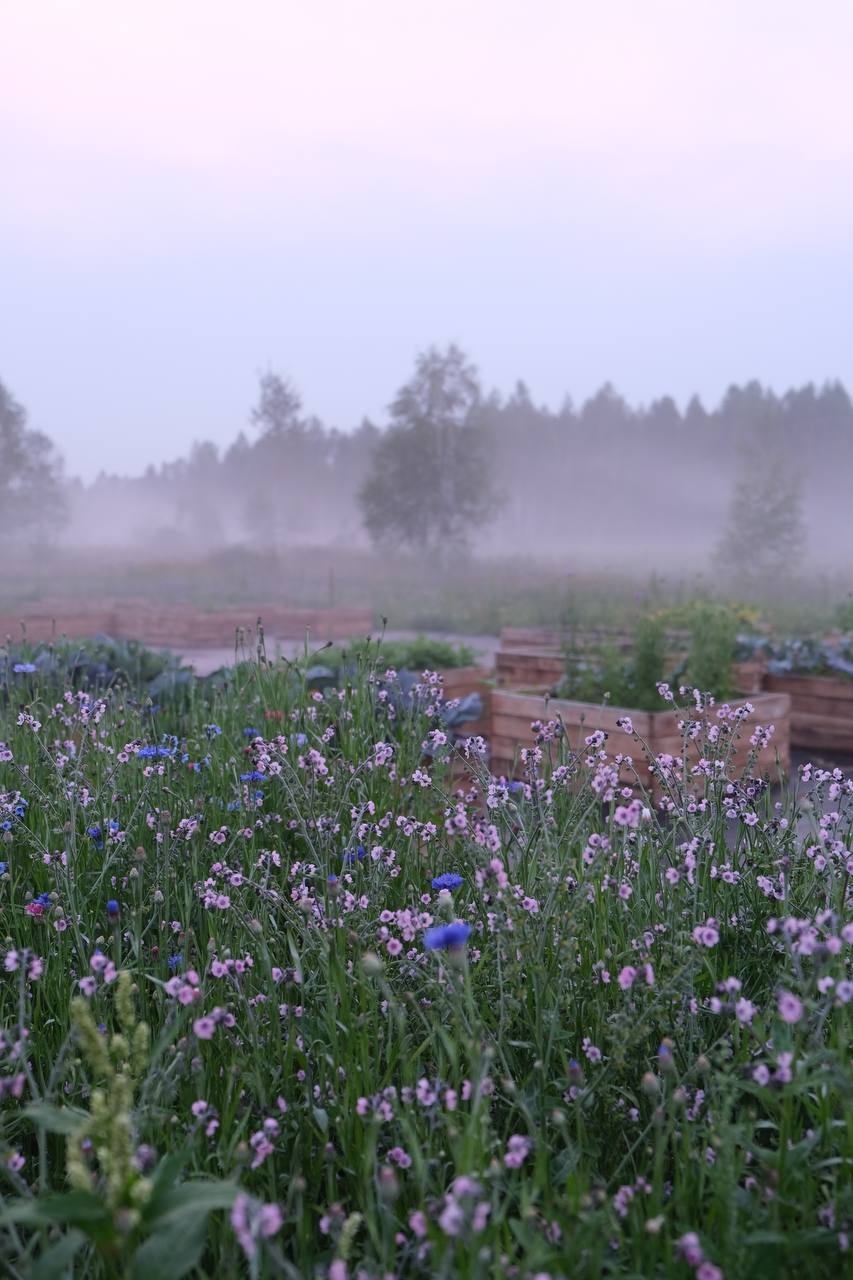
x,y
292,986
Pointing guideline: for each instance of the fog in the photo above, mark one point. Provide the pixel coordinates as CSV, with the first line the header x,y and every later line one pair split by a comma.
x,y
227,247
747,497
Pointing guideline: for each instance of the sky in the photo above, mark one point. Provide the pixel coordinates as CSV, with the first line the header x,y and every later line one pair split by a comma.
x,y
655,193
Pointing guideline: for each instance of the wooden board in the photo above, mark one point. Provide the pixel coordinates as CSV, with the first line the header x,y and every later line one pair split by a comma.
x,y
821,711
512,714
177,626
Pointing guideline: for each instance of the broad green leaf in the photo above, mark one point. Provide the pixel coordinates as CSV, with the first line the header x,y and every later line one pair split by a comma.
x,y
202,1195
64,1120
72,1207
174,1247
54,1263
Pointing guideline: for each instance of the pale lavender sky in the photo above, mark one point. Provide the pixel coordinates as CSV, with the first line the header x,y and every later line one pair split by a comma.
x,y
655,192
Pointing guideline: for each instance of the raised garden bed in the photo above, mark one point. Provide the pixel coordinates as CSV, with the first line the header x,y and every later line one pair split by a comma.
x,y
821,710
535,658
177,626
512,714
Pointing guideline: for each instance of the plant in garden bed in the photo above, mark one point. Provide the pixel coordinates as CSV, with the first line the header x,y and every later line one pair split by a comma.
x,y
632,679
543,1028
424,653
813,656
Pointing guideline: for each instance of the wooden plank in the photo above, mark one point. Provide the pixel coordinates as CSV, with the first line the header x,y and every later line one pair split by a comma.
x,y
833,687
571,712
823,708
832,739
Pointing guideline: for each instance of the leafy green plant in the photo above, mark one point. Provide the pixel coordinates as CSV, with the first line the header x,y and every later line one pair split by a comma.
x,y
139,1223
423,653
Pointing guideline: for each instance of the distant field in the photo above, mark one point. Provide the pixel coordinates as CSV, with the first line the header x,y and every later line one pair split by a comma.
x,y
471,596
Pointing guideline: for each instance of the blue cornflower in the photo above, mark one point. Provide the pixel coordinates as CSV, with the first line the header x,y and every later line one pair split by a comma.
x,y
6,826
24,668
447,937
95,834
331,879
150,753
174,962
254,776
351,858
212,730
232,805
515,786
112,909
449,880
301,739
4,867
250,732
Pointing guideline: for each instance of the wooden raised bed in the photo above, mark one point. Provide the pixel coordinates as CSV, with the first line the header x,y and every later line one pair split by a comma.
x,y
177,626
534,658
512,714
821,710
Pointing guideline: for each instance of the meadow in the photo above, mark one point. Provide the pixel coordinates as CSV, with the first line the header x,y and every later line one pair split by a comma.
x,y
291,986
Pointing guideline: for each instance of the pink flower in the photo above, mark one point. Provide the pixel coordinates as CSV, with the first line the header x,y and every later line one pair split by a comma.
x,y
269,1220
790,1008
626,977
204,1028
690,1249
518,1149
707,934
744,1010
418,1223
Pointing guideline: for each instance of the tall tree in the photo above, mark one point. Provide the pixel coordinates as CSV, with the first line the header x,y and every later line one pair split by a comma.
x,y
32,502
430,486
279,406
764,537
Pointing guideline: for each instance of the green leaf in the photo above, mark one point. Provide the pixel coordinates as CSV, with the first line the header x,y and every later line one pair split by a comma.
x,y
163,1180
174,1248
54,1263
79,1207
64,1120
203,1195
322,1118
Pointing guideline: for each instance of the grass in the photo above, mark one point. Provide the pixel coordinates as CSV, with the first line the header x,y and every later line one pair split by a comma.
x,y
474,596
229,1048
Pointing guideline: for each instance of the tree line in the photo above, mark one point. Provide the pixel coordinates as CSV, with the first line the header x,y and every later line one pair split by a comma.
x,y
456,467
